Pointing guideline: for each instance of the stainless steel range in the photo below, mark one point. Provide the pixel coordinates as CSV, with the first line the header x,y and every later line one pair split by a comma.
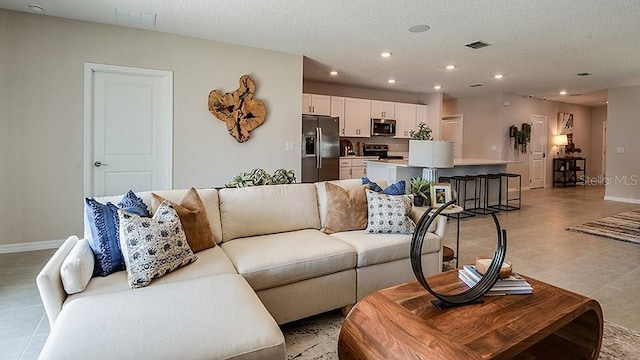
x,y
379,150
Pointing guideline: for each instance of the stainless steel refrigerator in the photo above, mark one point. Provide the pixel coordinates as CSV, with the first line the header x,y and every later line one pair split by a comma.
x,y
320,148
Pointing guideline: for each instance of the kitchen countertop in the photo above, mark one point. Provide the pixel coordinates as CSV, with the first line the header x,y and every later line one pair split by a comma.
x,y
456,162
359,157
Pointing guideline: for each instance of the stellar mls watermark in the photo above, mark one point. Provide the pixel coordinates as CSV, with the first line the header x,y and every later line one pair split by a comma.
x,y
625,180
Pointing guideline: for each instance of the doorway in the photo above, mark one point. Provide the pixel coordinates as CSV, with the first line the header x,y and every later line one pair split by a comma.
x,y
452,131
604,149
128,135
537,157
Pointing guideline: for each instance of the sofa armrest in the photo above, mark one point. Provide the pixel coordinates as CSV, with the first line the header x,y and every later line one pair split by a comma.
x,y
49,282
437,226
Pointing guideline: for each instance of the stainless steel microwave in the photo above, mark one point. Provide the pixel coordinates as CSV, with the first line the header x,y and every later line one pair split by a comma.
x,y
383,127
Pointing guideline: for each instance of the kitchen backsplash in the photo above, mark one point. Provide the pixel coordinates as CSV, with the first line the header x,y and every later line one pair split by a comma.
x,y
396,146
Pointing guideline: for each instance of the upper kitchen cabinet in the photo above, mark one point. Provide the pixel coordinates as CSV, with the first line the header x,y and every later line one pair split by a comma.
x,y
382,109
316,104
337,110
406,115
357,117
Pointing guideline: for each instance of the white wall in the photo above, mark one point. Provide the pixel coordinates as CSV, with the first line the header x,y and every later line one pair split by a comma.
x,y
41,117
623,128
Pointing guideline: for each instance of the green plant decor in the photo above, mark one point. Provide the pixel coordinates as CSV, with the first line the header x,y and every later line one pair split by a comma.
x,y
423,133
257,177
522,137
420,187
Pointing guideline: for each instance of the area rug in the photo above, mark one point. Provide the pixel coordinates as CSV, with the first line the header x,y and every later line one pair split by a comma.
x,y
317,338
623,227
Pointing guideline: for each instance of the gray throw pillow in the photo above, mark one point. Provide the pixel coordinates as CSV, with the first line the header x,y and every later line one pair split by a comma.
x,y
389,214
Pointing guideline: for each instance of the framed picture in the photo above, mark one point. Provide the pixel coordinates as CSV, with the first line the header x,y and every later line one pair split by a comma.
x,y
440,194
565,123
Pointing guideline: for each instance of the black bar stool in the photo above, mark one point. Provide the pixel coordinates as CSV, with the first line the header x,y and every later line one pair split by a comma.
x,y
484,181
506,203
464,182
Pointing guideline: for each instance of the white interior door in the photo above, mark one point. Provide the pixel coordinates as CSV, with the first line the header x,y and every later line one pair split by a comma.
x,y
452,131
537,151
128,129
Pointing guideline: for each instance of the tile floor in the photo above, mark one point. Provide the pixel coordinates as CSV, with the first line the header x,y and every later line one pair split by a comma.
x,y
538,246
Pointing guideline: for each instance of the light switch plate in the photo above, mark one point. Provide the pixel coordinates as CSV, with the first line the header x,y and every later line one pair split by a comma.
x,y
620,149
289,146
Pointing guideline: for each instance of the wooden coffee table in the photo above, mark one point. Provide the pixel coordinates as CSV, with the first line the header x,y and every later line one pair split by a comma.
x,y
401,323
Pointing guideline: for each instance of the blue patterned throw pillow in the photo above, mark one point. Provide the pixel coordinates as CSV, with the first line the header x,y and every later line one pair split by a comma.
x,y
104,224
398,188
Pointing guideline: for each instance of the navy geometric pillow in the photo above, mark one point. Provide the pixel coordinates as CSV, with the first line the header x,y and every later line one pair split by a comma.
x,y
105,231
393,189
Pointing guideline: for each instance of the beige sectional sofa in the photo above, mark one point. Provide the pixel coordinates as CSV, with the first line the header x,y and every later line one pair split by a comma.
x,y
272,265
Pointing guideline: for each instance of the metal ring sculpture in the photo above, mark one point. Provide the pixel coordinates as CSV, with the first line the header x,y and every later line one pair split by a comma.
x,y
475,293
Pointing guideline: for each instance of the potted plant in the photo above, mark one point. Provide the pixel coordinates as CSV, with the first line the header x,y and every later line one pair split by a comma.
x,y
423,133
420,189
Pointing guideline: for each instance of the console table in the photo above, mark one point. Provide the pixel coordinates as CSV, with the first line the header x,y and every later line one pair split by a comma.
x,y
401,323
569,171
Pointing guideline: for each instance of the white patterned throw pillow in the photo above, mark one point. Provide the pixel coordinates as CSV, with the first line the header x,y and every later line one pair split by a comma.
x,y
389,214
153,247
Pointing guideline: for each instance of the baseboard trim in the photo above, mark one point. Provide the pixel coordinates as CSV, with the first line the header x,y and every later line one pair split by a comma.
x,y
30,246
621,199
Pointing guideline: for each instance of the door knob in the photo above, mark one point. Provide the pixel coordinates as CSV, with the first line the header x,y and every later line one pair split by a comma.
x,y
98,164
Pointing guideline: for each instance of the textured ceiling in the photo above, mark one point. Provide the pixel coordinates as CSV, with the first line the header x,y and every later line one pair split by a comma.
x,y
538,45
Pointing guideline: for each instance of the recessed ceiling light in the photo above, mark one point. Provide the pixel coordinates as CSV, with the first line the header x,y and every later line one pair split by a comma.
x,y
451,67
498,76
391,81
385,54
333,73
437,87
563,92
419,28
36,8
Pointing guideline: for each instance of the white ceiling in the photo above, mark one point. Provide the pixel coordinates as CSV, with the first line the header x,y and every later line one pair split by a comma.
x,y
538,45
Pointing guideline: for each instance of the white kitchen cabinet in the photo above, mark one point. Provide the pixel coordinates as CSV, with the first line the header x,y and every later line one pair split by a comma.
x,y
313,104
337,110
357,117
353,168
382,109
405,120
422,115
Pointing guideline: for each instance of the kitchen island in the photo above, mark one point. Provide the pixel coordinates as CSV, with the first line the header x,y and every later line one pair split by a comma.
x,y
395,170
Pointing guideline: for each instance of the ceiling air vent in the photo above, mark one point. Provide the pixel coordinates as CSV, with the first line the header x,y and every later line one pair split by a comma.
x,y
584,74
136,17
475,85
477,44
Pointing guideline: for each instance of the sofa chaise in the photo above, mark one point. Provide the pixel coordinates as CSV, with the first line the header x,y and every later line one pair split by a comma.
x,y
272,264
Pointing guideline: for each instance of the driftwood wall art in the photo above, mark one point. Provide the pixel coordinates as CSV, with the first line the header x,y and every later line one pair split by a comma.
x,y
239,110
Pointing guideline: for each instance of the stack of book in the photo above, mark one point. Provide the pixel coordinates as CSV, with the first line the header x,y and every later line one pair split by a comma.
x,y
514,284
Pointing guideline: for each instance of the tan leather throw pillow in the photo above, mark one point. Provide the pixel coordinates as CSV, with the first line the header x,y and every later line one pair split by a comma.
x,y
193,218
346,210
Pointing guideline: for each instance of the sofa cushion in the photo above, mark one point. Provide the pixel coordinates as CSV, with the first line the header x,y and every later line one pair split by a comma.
x,y
193,218
209,198
271,209
348,210
389,214
218,317
77,267
321,192
210,262
277,259
103,222
398,188
381,248
153,247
